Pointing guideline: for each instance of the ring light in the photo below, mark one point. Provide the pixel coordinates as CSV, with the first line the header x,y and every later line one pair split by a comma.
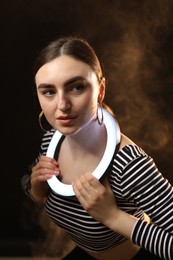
x,y
113,138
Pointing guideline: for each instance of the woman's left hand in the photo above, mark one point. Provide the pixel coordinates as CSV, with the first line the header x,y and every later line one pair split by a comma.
x,y
96,198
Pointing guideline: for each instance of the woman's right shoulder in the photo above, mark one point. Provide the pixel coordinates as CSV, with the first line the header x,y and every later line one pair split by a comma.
x,y
48,134
46,138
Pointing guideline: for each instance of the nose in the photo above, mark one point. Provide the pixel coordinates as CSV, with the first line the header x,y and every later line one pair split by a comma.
x,y
63,102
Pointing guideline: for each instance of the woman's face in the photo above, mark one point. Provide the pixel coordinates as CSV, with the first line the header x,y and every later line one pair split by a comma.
x,y
68,92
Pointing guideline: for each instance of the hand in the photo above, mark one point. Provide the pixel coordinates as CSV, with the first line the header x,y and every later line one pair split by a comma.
x,y
96,198
41,172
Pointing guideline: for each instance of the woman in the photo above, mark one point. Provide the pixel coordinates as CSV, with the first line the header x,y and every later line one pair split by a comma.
x,y
126,213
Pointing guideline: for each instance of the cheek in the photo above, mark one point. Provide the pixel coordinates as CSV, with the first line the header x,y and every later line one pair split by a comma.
x,y
42,104
45,103
90,107
49,115
89,102
47,108
94,100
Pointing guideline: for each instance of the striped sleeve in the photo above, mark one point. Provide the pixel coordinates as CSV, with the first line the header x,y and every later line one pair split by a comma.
x,y
154,239
46,140
152,193
26,178
43,148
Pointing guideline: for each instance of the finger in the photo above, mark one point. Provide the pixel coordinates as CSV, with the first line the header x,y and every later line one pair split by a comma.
x,y
45,164
44,174
78,188
49,166
93,181
40,178
50,171
45,159
84,190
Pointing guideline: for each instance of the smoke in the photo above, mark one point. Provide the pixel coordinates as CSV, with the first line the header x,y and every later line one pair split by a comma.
x,y
55,242
135,65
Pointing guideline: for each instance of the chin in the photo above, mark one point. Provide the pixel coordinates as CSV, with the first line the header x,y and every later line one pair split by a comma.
x,y
67,131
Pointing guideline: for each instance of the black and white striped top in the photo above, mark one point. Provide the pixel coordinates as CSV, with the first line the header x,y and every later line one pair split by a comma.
x,y
138,187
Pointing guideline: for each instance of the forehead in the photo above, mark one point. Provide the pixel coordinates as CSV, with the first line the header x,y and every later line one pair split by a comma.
x,y
62,68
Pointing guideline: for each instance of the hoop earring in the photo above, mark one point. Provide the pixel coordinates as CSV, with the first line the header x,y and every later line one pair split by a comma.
x,y
100,120
40,123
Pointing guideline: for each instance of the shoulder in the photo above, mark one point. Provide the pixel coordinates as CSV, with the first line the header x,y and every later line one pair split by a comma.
x,y
48,134
129,154
129,147
125,141
46,140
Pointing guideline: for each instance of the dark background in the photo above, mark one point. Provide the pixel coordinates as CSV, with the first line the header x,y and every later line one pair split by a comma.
x,y
134,41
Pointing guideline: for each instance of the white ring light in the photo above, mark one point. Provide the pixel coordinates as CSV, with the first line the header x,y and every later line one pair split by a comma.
x,y
113,138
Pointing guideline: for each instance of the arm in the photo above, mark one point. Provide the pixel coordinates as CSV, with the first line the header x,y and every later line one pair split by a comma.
x,y
154,195
99,202
156,199
34,184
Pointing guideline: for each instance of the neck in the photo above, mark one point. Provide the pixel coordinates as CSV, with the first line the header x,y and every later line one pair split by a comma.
x,y
90,139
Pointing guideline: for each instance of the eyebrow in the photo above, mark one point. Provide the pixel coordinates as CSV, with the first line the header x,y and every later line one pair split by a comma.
x,y
66,83
74,79
45,85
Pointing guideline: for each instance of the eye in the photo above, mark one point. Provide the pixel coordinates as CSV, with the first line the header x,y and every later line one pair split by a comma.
x,y
48,93
77,88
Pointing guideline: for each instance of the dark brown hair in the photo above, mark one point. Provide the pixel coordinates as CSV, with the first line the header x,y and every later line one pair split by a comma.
x,y
73,46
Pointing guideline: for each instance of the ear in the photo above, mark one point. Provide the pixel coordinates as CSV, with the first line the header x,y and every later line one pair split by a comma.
x,y
101,91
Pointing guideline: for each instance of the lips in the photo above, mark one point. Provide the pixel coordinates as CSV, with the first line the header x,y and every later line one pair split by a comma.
x,y
66,117
65,120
